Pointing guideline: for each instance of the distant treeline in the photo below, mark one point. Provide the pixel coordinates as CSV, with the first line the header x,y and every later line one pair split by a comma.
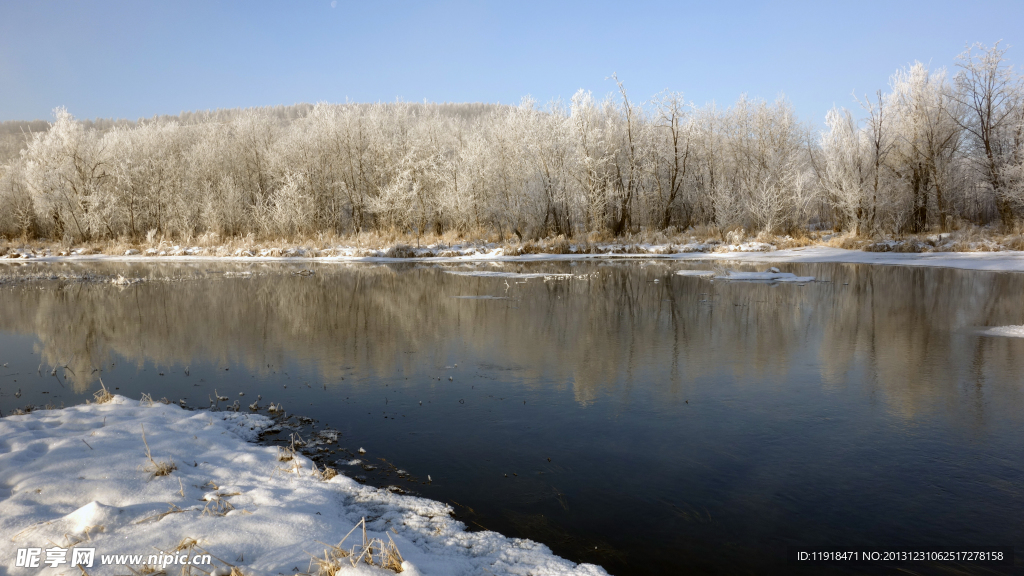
x,y
934,151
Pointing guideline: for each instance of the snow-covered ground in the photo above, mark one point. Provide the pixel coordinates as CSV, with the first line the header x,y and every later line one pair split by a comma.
x,y
79,478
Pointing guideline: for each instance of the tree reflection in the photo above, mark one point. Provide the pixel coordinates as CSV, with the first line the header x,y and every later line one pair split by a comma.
x,y
908,335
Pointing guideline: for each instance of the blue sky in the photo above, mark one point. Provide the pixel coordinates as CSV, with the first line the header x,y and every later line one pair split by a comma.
x,y
137,59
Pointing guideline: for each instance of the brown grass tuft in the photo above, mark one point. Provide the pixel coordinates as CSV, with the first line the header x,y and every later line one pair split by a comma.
x,y
400,251
103,395
217,507
285,453
324,475
373,551
156,468
185,544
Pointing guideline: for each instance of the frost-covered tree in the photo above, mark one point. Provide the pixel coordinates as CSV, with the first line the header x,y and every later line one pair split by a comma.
x,y
674,154
17,216
927,140
929,154
992,98
65,168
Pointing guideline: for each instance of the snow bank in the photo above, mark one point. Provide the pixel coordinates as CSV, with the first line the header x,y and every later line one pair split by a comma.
x,y
1012,331
1006,261
79,477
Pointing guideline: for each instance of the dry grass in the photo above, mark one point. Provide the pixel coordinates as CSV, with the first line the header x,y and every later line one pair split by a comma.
x,y
1014,242
217,507
847,242
289,453
324,475
788,242
186,544
214,244
373,551
103,395
398,244
557,245
154,467
71,540
400,251
161,515
285,453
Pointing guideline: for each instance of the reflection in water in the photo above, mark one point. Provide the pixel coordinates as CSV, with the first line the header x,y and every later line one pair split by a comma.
x,y
909,329
689,414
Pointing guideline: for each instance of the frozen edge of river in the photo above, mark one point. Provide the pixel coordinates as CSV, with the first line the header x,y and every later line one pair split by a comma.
x,y
78,477
1003,261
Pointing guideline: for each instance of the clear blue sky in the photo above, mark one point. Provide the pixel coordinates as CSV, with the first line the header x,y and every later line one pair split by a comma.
x,y
141,58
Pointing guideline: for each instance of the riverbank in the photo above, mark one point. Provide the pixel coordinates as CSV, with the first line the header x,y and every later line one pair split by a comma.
x,y
130,478
994,261
703,240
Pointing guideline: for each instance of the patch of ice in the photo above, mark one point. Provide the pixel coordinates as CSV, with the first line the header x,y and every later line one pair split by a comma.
x,y
494,274
1011,331
765,277
773,275
324,437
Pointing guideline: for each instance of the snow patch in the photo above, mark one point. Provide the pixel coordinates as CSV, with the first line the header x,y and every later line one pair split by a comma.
x,y
75,477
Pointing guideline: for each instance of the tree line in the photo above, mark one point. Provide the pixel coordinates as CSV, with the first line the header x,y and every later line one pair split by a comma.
x,y
935,151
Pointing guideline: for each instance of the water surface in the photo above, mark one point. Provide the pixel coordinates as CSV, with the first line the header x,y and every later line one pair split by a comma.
x,y
615,411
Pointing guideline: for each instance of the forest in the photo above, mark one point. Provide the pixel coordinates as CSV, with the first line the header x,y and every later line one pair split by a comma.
x,y
935,151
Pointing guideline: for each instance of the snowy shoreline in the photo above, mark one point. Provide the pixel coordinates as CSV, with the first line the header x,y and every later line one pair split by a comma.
x,y
80,477
1001,261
